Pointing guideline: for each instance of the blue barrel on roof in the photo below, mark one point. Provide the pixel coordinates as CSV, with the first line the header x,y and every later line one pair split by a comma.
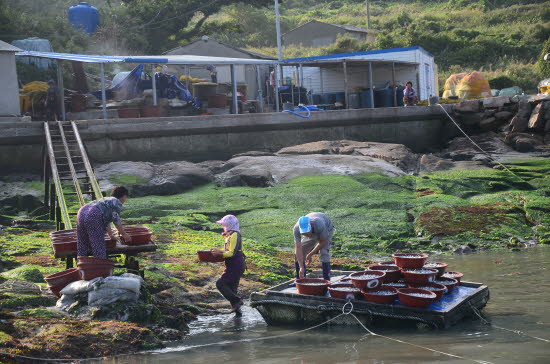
x,y
84,17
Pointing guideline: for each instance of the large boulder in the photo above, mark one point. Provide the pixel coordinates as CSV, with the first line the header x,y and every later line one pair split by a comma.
x,y
495,102
126,173
19,194
524,142
396,154
267,171
469,106
536,121
462,149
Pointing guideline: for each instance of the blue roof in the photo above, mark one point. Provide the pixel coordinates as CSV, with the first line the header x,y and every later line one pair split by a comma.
x,y
355,54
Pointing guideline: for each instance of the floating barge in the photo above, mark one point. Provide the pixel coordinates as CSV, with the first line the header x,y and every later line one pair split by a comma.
x,y
283,305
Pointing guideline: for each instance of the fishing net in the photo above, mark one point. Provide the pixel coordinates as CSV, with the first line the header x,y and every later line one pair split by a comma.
x,y
467,85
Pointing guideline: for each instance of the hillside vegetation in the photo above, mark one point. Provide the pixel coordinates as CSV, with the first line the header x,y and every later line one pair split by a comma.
x,y
504,38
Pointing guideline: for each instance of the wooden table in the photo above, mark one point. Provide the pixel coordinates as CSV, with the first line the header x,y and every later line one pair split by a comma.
x,y
128,251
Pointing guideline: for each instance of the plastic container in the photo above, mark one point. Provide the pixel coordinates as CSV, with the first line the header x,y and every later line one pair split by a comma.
x,y
397,285
389,262
317,99
84,17
340,97
128,113
407,298
447,282
91,267
64,246
399,94
410,260
453,275
336,291
207,256
329,98
418,276
218,101
366,102
393,274
139,238
150,111
376,297
440,267
438,289
78,103
383,97
312,286
56,282
354,100
364,284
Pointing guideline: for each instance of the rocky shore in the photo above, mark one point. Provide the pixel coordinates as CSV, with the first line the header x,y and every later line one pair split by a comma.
x,y
381,197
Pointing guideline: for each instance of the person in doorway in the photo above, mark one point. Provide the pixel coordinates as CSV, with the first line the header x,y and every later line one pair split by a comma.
x,y
313,235
228,283
51,103
213,73
93,221
409,95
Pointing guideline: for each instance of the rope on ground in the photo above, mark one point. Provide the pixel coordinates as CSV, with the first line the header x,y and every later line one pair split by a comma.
x,y
419,346
478,147
518,332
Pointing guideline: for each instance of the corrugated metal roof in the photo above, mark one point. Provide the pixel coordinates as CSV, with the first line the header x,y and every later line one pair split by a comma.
x,y
6,47
165,59
355,54
174,51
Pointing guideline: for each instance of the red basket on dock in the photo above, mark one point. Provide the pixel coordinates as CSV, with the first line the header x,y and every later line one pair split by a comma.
x,y
410,260
91,267
419,276
439,266
447,282
438,289
408,297
207,256
312,286
393,274
344,291
453,275
362,281
376,295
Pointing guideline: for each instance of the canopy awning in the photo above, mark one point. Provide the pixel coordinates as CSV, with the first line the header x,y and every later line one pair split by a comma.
x,y
164,59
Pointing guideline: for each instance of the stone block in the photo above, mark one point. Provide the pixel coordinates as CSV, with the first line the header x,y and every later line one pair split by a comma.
x,y
503,115
539,98
536,121
488,124
468,106
496,102
472,118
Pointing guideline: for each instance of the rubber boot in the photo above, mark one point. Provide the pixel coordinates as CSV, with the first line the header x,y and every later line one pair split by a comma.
x,y
326,271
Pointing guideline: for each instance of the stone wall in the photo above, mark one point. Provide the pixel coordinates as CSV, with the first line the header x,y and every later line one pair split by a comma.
x,y
201,138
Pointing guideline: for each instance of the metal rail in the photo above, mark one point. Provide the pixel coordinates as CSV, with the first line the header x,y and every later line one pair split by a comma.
x,y
77,188
57,182
87,164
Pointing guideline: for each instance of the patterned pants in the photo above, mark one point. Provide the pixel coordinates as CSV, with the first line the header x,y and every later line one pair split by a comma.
x,y
90,232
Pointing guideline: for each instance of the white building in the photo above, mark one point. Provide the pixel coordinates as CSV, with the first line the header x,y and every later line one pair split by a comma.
x,y
9,97
390,67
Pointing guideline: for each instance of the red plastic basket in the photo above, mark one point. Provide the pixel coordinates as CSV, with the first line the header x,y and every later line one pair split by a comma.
x,y
336,291
367,283
393,274
453,275
415,276
56,282
316,286
407,299
410,260
438,289
207,256
450,286
387,299
439,266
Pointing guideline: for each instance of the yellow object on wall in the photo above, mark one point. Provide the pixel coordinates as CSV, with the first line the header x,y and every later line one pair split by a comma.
x,y
467,85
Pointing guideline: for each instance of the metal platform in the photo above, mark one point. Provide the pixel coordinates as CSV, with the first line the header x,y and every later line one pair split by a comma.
x,y
283,305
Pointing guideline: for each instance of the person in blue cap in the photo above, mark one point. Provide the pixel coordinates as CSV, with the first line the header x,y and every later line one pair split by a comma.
x,y
313,235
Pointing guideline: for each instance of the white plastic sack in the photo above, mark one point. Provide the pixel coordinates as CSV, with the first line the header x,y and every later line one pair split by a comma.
x,y
127,283
106,296
76,288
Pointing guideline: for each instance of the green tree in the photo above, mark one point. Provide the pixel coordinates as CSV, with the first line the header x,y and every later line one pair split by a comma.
x,y
544,66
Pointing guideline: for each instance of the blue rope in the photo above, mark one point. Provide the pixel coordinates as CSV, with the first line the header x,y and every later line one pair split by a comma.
x,y
305,108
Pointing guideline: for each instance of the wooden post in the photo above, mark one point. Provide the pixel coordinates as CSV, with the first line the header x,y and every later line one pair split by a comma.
x,y
393,84
371,85
346,97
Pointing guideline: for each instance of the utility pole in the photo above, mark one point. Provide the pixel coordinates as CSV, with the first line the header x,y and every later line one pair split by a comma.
x,y
368,14
278,26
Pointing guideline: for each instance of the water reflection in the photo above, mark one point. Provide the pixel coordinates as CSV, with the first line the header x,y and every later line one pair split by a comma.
x,y
519,300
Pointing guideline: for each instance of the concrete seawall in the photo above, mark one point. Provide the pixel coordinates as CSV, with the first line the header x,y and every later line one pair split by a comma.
x,y
201,138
